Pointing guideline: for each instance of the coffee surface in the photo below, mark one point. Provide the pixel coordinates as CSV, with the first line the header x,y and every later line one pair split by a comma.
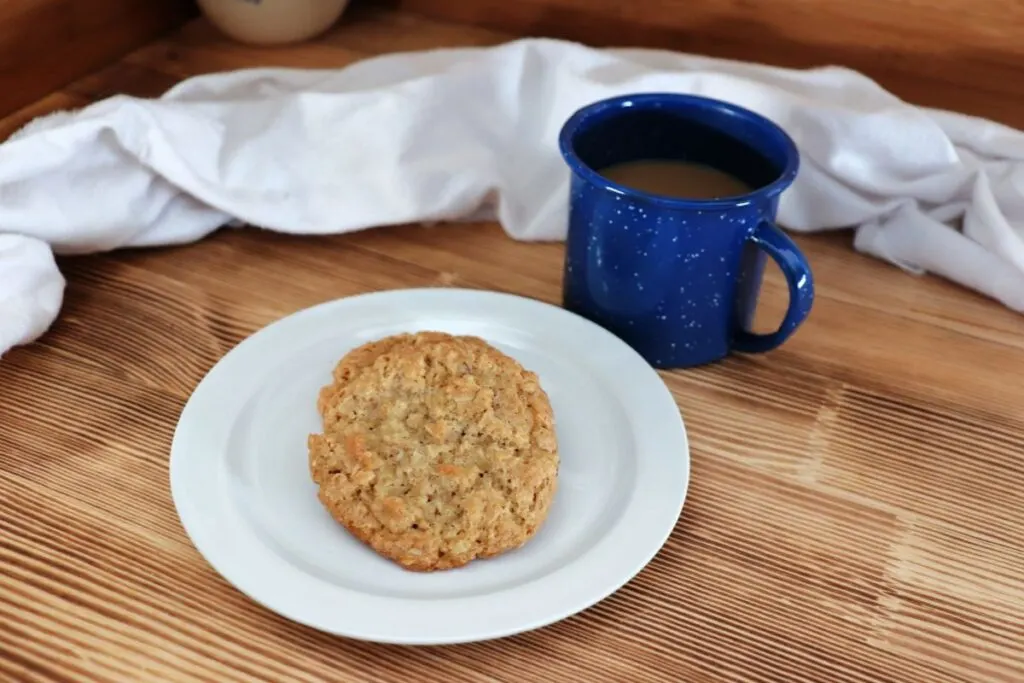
x,y
679,179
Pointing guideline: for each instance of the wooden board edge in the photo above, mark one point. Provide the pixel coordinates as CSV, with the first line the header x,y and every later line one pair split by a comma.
x,y
47,44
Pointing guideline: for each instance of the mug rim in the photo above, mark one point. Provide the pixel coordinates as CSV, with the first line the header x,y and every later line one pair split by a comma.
x,y
572,125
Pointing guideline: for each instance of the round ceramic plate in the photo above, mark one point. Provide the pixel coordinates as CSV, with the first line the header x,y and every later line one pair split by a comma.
x,y
241,483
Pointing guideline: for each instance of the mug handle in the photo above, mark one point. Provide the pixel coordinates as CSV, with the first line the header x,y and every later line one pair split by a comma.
x,y
769,238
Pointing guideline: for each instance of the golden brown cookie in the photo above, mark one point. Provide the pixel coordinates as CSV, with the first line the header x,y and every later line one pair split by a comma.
x,y
436,450
359,358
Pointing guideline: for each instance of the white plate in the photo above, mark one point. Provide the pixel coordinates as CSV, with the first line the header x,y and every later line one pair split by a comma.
x,y
241,484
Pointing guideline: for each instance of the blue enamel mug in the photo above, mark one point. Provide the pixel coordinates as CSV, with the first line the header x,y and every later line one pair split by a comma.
x,y
678,278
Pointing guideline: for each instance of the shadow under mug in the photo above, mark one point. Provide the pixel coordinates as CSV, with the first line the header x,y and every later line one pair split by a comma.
x,y
678,279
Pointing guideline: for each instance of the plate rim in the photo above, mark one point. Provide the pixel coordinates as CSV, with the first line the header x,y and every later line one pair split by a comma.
x,y
185,506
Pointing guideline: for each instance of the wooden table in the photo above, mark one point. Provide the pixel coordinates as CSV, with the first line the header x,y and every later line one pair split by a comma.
x,y
856,511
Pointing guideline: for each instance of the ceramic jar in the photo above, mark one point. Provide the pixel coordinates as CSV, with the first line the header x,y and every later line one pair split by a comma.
x,y
272,22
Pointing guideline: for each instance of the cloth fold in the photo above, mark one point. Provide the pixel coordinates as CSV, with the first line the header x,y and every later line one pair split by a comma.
x,y
471,133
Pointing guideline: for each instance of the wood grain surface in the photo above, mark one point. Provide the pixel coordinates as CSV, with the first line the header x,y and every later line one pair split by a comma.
x,y
856,512
45,44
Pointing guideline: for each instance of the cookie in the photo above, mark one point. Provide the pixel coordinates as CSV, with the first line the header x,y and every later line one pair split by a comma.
x,y
436,450
359,358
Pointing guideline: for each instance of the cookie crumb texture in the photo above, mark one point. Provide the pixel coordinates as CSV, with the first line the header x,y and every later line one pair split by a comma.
x,y
436,450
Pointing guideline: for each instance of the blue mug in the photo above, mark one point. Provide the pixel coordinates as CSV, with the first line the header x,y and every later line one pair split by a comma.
x,y
678,279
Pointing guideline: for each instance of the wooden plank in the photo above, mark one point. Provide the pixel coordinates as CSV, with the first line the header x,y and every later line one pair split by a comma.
x,y
45,44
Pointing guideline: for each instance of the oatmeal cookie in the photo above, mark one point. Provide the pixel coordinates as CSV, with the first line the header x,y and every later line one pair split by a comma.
x,y
437,449
359,358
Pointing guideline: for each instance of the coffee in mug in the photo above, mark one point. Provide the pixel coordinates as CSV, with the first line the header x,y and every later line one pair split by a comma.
x,y
672,178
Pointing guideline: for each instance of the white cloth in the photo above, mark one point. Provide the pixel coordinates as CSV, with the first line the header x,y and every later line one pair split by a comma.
x,y
471,133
